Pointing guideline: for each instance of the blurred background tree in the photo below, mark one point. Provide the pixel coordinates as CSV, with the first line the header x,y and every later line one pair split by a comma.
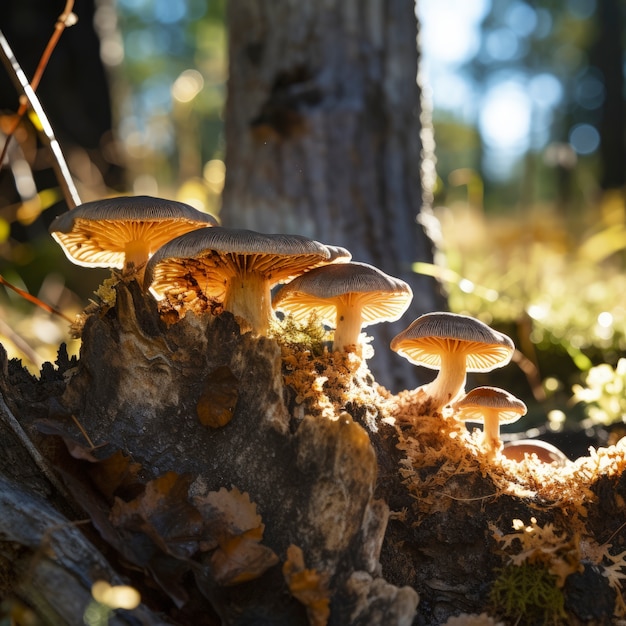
x,y
326,136
528,112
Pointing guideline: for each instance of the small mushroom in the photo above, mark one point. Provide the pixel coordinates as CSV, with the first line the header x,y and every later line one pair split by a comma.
x,y
347,295
237,267
454,344
123,232
490,406
544,451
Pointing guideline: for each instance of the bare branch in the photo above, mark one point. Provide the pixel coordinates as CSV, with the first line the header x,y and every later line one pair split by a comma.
x,y
21,82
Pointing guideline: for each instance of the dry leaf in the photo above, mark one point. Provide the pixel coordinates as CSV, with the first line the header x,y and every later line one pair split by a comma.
x,y
307,586
115,474
231,518
240,560
233,511
164,514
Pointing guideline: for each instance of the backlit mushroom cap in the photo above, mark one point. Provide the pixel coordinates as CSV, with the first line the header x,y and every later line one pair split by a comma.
x,y
454,344
123,232
338,254
544,451
233,265
347,296
490,406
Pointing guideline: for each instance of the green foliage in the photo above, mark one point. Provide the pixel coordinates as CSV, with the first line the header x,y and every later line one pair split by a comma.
x,y
556,285
604,393
527,594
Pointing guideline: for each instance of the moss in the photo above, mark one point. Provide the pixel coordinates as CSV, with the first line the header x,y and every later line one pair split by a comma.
x,y
309,335
527,594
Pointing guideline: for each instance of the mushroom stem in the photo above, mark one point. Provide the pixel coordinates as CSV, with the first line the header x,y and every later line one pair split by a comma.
x,y
136,254
450,381
248,296
491,432
348,326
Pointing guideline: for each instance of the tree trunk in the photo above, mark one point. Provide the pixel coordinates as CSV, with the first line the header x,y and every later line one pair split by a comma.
x,y
326,137
607,54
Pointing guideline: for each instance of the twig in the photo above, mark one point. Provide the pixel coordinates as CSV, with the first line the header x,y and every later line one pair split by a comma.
x,y
83,432
21,82
67,18
34,300
11,421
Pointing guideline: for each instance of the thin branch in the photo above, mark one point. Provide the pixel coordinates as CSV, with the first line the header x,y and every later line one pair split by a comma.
x,y
21,82
34,300
67,18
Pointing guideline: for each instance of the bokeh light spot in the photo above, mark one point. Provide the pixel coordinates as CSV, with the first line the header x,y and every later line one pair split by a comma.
x,y
584,138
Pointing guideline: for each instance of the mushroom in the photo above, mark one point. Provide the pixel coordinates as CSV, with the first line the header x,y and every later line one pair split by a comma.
x,y
454,344
347,295
544,452
237,267
123,232
490,406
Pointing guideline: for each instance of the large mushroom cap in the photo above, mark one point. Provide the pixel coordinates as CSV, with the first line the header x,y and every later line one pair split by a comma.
x,y
223,252
99,233
472,406
235,267
433,334
380,296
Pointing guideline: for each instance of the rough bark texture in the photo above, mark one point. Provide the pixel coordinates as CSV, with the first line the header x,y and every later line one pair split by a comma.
x,y
326,137
218,457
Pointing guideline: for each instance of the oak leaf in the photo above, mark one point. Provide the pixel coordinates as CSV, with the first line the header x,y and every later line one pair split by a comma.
x,y
232,520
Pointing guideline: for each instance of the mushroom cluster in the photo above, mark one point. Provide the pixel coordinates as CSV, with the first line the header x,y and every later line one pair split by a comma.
x,y
170,248
456,344
167,247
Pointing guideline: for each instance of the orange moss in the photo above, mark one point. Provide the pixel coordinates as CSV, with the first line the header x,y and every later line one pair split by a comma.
x,y
332,383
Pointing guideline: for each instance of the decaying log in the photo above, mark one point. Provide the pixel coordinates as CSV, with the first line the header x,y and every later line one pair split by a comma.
x,y
235,479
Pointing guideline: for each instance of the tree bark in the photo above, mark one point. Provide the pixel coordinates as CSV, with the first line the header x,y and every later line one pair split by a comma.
x,y
327,137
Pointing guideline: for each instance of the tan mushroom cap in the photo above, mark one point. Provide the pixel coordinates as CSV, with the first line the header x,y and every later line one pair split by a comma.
x,y
234,265
123,232
347,295
434,334
544,451
472,406
338,254
492,407
455,344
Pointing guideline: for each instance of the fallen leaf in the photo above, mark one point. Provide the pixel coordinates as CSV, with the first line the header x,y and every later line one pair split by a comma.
x,y
232,519
116,474
163,513
231,512
242,559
